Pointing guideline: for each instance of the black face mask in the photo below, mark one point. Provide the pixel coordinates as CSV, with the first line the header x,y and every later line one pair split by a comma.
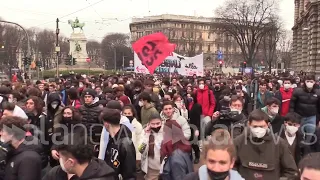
x,y
217,88
68,121
156,130
130,118
218,175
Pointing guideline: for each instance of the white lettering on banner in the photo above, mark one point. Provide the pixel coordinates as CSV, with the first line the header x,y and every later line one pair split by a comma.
x,y
176,64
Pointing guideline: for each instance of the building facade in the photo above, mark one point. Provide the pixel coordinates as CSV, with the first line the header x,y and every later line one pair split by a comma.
x,y
192,35
306,37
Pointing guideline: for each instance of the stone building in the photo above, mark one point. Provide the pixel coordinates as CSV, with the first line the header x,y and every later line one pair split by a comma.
x,y
193,35
306,36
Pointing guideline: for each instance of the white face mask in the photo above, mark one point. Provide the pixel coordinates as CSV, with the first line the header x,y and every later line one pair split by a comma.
x,y
235,110
54,105
227,98
62,165
274,111
258,132
10,100
80,85
140,103
201,86
291,129
309,85
287,86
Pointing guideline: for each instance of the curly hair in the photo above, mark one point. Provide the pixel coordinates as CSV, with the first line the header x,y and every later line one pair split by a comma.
x,y
14,126
38,103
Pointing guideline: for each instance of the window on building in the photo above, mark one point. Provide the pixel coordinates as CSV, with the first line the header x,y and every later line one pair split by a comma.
x,y
183,25
183,34
209,35
200,47
200,35
209,48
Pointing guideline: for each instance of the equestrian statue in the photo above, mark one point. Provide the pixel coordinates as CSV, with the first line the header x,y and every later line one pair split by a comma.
x,y
76,24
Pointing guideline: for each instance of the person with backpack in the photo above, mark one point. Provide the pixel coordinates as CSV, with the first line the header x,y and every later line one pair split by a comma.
x,y
206,99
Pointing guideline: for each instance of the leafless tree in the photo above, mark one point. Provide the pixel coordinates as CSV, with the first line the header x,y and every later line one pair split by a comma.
x,y
116,45
45,40
94,51
270,41
246,21
284,48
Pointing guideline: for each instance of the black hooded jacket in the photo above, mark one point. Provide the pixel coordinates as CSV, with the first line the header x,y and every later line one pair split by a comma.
x,y
121,154
96,170
90,118
305,103
24,162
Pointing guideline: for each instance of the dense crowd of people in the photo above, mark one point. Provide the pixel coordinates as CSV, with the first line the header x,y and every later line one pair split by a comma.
x,y
107,127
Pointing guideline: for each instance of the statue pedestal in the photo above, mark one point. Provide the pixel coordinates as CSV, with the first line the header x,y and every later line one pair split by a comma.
x,y
81,54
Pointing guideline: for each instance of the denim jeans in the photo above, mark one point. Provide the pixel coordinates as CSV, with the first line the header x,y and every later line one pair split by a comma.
x,y
308,124
308,128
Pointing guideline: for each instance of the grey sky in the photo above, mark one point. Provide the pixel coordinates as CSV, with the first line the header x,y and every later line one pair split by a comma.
x,y
110,15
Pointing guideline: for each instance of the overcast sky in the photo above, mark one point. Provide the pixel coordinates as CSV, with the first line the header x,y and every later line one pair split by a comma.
x,y
106,16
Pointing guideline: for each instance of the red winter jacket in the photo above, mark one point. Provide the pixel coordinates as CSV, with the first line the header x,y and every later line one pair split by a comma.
x,y
207,104
285,100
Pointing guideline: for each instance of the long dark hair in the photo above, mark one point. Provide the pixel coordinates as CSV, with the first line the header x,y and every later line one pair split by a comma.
x,y
76,116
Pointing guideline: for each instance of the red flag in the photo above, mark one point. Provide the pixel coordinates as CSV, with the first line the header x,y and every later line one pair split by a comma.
x,y
153,49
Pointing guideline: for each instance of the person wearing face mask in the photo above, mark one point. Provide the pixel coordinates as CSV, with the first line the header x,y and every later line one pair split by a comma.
x,y
130,113
77,161
284,95
179,102
234,121
292,136
272,110
120,153
305,102
207,101
53,118
259,156
220,156
150,146
246,99
70,123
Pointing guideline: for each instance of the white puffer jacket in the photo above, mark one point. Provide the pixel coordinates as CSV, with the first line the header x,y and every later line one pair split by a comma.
x,y
180,120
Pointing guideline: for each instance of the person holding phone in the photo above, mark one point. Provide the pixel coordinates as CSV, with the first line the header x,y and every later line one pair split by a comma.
x,y
150,146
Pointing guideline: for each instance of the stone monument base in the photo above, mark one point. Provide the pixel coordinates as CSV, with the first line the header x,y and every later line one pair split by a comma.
x,y
81,65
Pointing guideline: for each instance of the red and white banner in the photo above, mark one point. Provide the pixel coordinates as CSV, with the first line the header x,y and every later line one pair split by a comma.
x,y
176,64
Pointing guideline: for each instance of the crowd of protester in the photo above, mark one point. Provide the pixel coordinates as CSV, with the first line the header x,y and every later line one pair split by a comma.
x,y
107,127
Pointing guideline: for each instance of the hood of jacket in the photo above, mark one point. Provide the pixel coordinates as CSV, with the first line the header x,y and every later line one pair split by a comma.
x,y
97,169
148,106
53,97
94,103
203,174
175,116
